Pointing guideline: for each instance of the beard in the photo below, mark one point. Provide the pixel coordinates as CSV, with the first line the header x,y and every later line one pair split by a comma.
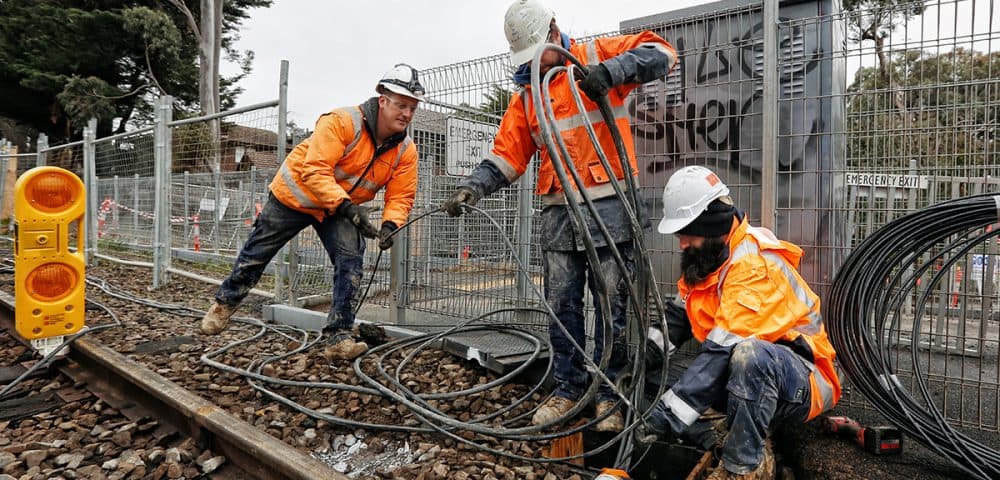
x,y
698,263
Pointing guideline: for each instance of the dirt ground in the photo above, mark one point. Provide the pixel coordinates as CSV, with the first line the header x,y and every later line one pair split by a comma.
x,y
818,455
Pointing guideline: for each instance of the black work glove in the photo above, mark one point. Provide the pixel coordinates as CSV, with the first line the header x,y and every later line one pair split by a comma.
x,y
656,423
462,196
597,83
385,238
358,215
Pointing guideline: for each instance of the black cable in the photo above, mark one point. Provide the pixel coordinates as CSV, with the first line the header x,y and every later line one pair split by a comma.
x,y
863,314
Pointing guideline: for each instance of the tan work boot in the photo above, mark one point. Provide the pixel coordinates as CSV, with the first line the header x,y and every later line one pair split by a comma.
x,y
552,409
614,423
343,347
216,318
764,471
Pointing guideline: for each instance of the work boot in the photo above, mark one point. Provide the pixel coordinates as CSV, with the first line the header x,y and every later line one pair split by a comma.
x,y
764,471
216,318
344,347
614,423
552,409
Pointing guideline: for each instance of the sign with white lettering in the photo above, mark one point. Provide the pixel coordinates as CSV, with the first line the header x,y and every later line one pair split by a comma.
x,y
885,180
468,142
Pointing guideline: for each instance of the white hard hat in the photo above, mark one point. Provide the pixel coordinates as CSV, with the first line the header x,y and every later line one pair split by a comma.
x,y
402,79
526,26
686,195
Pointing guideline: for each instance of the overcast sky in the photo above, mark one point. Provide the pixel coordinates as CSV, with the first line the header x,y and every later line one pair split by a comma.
x,y
338,50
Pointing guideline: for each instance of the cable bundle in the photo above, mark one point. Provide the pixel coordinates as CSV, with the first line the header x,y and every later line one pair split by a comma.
x,y
863,316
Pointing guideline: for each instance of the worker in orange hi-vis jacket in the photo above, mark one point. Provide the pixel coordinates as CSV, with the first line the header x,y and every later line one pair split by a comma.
x,y
764,356
616,65
353,153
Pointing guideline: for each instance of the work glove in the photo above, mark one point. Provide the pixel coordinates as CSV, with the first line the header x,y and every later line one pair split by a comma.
x,y
385,237
597,83
462,196
655,425
358,215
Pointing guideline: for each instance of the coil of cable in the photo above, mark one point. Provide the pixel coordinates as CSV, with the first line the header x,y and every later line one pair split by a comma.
x,y
864,316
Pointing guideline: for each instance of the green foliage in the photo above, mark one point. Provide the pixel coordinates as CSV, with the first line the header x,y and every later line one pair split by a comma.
x,y
156,29
871,19
497,100
85,98
950,117
192,147
63,61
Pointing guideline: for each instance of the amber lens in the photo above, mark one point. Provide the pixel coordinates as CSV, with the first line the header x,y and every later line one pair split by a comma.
x,y
52,192
51,281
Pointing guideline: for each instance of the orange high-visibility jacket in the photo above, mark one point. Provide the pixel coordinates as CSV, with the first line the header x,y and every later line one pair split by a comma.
x,y
317,176
759,293
519,136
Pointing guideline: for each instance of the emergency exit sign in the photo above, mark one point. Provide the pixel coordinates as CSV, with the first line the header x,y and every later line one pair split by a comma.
x,y
468,142
886,180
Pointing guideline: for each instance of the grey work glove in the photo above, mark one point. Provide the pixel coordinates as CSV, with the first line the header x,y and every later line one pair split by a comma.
x,y
385,237
358,215
597,83
462,196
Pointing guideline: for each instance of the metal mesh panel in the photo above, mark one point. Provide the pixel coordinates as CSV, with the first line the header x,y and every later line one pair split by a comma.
x,y
124,170
221,168
462,266
68,156
21,162
705,112
921,107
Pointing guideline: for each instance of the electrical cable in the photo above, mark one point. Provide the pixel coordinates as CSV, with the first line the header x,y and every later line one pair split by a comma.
x,y
864,317
629,394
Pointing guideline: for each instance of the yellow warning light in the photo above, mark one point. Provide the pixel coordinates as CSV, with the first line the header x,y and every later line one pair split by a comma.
x,y
51,281
49,270
52,192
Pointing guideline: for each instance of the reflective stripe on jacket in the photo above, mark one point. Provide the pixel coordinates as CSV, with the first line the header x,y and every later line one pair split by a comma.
x,y
758,293
318,174
518,137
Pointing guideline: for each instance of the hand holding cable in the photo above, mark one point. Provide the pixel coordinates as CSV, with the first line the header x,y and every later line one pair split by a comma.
x,y
462,196
597,83
385,235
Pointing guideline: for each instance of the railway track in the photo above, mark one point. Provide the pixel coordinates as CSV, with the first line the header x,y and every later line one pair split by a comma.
x,y
173,414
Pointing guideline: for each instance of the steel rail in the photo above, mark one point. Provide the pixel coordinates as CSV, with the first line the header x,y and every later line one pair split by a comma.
x,y
245,446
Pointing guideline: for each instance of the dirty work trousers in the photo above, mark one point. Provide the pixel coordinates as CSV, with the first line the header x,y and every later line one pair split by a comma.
x,y
566,272
768,384
273,228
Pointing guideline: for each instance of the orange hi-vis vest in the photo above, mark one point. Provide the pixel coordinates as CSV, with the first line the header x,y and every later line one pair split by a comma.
x,y
318,174
519,135
759,293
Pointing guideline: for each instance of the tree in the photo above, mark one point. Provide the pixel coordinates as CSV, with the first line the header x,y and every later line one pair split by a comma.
x,y
64,61
951,99
495,104
875,20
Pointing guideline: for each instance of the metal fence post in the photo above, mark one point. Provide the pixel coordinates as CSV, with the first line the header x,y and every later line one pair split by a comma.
x,y
282,112
525,196
911,206
90,181
135,204
161,209
43,144
769,118
399,278
187,208
217,217
285,265
116,197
